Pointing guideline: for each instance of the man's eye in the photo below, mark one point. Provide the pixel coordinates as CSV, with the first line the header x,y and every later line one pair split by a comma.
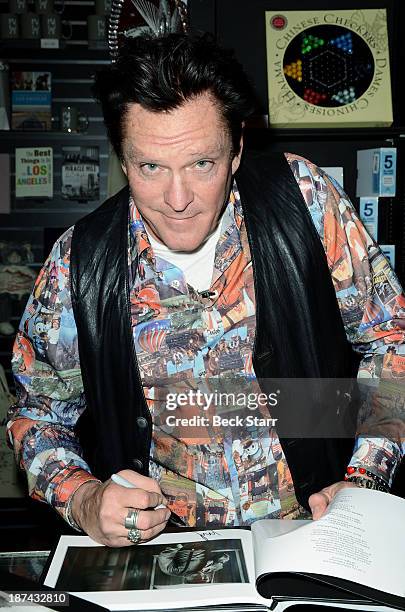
x,y
204,164
149,168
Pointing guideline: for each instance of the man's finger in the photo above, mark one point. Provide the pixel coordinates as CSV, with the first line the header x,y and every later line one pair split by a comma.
x,y
140,481
122,538
136,498
318,502
143,482
149,523
147,519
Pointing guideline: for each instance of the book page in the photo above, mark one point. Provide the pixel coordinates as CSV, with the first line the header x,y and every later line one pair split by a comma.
x,y
198,568
361,539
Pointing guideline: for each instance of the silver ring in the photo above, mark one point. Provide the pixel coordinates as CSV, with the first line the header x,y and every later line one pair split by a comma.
x,y
134,536
131,519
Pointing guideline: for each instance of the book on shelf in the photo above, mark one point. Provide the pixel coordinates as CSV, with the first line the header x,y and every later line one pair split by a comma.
x,y
80,173
4,95
4,183
34,172
31,100
351,557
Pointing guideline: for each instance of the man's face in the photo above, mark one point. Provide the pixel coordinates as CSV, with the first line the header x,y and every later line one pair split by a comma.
x,y
179,167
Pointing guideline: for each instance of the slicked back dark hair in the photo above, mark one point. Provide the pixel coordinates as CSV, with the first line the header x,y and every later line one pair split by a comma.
x,y
162,73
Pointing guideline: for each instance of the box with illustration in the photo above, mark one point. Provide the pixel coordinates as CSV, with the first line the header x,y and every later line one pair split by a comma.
x,y
328,68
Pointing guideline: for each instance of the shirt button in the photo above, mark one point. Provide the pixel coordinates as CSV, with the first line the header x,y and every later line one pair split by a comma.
x,y
137,463
141,422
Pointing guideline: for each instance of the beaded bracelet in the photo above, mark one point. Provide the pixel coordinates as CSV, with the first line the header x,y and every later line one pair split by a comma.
x,y
367,483
354,473
361,471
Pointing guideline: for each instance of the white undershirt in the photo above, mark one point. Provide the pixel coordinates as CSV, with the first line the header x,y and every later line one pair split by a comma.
x,y
197,266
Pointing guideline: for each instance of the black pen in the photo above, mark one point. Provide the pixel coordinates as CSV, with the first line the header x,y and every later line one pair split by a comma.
x,y
123,482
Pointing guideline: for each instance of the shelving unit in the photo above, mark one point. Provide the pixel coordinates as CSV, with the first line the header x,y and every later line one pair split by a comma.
x,y
73,67
40,221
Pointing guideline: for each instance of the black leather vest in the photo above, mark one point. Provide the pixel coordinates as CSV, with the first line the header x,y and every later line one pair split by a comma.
x,y
299,331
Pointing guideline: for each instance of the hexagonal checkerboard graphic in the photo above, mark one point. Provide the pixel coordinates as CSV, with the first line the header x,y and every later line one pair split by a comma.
x,y
328,65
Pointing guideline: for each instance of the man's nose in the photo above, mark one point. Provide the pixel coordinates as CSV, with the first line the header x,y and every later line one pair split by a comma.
x,y
178,193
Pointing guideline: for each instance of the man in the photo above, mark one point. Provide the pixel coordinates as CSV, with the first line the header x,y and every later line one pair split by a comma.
x,y
229,246
177,560
209,571
191,562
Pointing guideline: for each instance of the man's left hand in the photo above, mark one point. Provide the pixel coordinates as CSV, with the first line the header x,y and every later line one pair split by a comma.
x,y
318,502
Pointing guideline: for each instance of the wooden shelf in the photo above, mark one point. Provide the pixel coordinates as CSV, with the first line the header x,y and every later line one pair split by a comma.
x,y
14,135
355,134
24,54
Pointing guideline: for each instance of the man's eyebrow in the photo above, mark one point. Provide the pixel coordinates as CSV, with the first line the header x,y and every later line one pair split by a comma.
x,y
213,151
132,153
135,154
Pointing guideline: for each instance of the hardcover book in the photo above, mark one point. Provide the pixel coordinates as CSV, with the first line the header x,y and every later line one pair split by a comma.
x,y
80,173
4,183
31,100
34,172
341,559
328,68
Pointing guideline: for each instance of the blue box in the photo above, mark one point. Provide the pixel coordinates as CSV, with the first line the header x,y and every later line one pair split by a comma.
x,y
376,172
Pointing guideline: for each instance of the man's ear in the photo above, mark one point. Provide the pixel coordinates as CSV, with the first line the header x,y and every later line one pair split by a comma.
x,y
124,168
237,158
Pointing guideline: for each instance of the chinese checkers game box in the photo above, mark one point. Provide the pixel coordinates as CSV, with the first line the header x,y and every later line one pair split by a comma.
x,y
328,68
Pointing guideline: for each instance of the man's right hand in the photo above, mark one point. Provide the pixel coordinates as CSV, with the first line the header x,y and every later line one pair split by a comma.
x,y
100,509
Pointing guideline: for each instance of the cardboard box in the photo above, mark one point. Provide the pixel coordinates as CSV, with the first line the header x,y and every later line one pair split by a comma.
x,y
389,252
369,215
328,68
376,172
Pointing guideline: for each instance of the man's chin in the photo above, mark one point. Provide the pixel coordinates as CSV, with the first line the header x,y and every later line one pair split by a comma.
x,y
182,244
185,247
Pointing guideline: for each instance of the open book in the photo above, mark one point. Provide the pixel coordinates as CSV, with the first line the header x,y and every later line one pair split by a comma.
x,y
353,556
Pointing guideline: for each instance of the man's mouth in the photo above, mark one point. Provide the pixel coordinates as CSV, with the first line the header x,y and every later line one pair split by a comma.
x,y
180,218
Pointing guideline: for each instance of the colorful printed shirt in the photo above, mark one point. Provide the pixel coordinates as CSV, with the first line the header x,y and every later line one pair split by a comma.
x,y
182,340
